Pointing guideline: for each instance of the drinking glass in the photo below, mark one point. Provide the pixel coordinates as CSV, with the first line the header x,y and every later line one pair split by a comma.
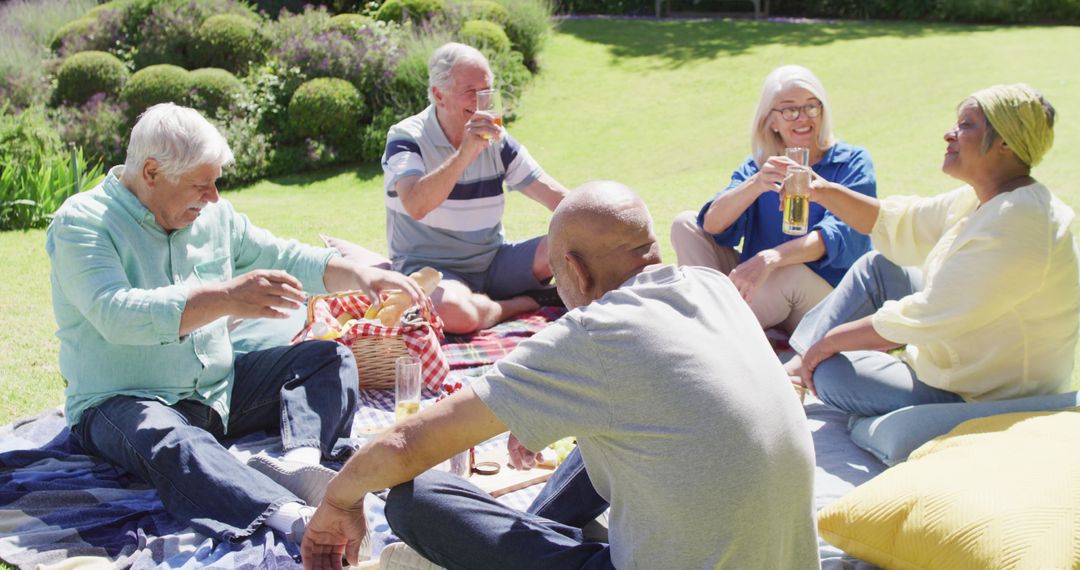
x,y
406,387
796,201
800,154
490,101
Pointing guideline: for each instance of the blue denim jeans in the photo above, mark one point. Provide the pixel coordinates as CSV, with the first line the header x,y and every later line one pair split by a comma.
x,y
456,525
865,382
308,392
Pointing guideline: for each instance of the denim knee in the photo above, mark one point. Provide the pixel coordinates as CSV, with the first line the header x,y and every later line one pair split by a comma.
x,y
332,355
417,498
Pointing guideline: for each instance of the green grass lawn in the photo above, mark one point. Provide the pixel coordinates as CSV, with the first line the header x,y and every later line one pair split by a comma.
x,y
662,106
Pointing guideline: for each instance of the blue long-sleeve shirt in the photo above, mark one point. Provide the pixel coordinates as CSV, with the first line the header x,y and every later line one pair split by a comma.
x,y
759,227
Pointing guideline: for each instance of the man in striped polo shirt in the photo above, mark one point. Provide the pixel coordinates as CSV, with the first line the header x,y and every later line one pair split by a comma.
x,y
444,174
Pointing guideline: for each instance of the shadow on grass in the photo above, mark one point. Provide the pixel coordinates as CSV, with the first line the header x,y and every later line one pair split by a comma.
x,y
680,42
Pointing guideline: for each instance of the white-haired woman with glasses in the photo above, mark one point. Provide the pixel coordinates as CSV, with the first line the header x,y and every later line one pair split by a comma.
x,y
780,276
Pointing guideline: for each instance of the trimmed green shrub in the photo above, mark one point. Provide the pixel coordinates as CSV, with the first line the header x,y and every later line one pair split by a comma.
x,y
81,35
484,35
348,24
485,10
89,72
415,10
213,90
229,41
167,34
113,5
326,108
155,84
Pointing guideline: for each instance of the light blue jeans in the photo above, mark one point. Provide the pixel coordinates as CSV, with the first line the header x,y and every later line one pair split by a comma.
x,y
894,412
865,382
456,525
308,391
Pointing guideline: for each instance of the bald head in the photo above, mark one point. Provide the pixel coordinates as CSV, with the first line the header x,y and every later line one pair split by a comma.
x,y
600,236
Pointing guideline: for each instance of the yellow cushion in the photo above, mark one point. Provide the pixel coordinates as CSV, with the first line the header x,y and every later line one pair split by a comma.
x,y
996,492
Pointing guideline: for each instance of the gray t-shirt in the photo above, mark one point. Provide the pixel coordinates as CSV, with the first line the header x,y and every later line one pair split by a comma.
x,y
684,417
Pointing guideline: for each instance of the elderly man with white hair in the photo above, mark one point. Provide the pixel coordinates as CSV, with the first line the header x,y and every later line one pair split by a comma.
x,y
444,174
149,269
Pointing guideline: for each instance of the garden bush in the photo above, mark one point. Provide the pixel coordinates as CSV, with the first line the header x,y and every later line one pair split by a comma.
x,y
480,10
169,31
79,35
27,28
229,41
213,90
362,58
414,10
155,84
326,108
99,127
484,35
87,73
528,28
37,171
350,25
998,11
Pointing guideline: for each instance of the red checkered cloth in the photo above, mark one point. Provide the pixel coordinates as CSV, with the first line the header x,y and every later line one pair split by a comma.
x,y
422,334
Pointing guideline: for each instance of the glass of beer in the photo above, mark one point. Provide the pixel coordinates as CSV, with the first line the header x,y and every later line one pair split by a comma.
x,y
796,201
406,387
490,101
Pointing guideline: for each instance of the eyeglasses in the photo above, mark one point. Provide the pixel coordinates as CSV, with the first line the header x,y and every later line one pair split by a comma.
x,y
811,110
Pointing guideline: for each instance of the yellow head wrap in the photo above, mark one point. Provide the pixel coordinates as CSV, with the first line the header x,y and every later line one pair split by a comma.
x,y
1017,114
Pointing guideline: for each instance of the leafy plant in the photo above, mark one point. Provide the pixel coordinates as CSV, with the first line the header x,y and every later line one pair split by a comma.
x,y
37,173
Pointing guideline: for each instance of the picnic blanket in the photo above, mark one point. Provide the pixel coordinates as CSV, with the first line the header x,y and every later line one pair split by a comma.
x,y
60,507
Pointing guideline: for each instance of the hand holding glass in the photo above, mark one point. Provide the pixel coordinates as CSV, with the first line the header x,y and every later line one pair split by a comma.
x,y
406,387
490,101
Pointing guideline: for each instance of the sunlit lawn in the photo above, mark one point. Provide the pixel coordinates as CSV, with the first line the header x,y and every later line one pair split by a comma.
x,y
662,106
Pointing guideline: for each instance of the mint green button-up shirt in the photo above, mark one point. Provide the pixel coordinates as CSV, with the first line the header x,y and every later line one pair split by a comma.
x,y
120,284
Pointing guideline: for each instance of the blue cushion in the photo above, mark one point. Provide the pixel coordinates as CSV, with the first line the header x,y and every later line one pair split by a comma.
x,y
893,436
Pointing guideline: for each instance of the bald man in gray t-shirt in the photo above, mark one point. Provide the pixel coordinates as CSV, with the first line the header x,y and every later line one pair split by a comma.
x,y
683,415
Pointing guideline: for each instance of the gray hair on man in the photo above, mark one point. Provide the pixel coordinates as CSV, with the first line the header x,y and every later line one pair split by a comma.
x,y
442,62
765,143
178,138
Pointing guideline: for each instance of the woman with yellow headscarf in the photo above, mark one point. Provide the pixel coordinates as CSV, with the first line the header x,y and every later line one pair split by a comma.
x,y
978,286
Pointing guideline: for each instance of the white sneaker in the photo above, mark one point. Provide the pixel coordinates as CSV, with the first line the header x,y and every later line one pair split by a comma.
x,y
305,481
296,535
398,556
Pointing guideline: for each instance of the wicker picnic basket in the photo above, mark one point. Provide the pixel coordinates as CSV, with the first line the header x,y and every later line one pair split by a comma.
x,y
376,347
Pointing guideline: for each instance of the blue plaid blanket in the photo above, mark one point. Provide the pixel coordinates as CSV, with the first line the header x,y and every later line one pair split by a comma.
x,y
59,506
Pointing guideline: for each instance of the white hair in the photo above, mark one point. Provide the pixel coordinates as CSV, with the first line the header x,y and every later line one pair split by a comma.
x,y
178,138
763,141
442,62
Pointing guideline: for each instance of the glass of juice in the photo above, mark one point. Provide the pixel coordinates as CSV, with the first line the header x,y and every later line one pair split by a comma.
x,y
490,101
796,201
406,387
